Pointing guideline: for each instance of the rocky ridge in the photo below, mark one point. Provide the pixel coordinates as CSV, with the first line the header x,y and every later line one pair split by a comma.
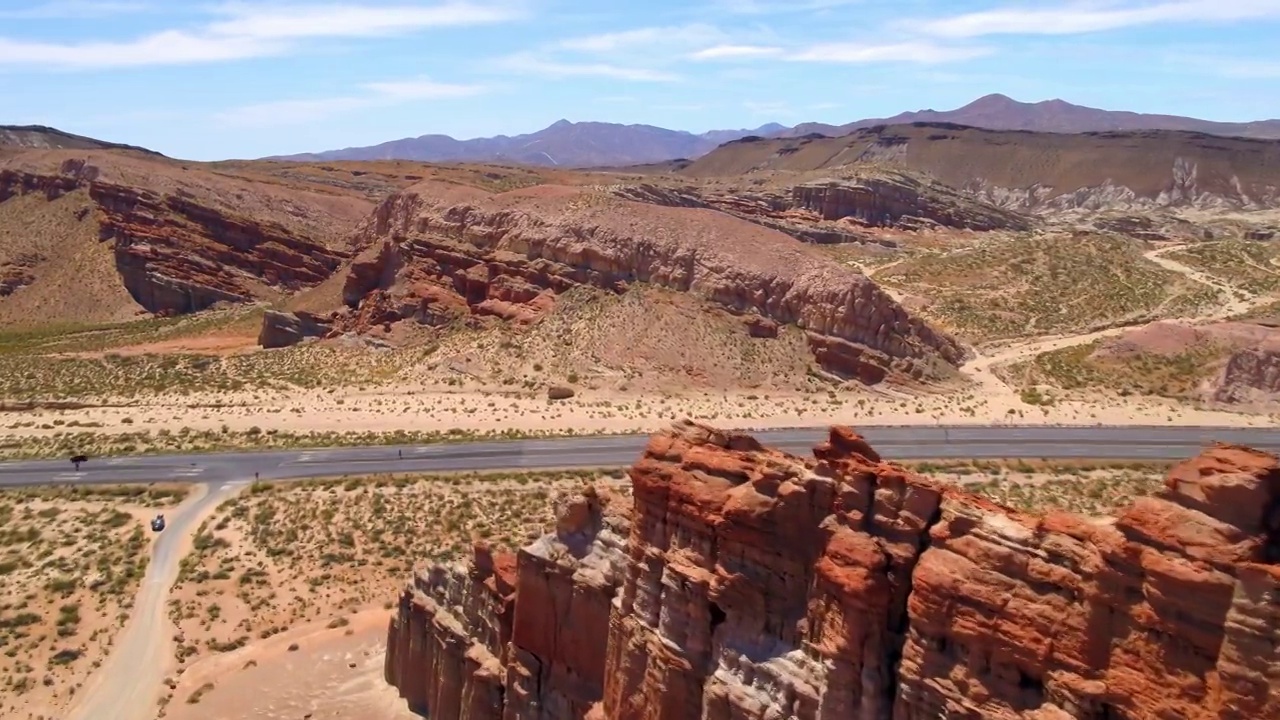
x,y
436,254
176,254
755,584
1038,173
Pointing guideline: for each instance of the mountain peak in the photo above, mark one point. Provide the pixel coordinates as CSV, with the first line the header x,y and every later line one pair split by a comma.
x,y
994,100
561,123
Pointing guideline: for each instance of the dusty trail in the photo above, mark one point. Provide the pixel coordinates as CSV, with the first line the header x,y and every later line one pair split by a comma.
x,y
127,685
980,369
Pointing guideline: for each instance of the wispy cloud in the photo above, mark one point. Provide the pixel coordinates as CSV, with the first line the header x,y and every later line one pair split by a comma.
x,y
532,64
646,38
243,31
919,52
777,7
737,52
376,94
349,20
73,9
1078,18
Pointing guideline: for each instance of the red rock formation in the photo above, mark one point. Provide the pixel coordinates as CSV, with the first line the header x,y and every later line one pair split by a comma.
x,y
892,198
176,255
460,646
435,253
758,585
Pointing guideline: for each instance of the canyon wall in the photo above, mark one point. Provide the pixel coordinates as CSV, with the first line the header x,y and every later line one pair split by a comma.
x,y
176,253
436,253
744,583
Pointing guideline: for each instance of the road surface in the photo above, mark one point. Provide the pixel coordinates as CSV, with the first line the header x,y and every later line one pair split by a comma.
x,y
127,686
896,443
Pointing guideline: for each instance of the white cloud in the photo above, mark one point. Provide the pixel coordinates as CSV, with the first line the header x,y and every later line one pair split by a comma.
x,y
349,20
923,53
1077,18
529,64
644,38
249,32
61,9
730,52
165,48
377,94
759,7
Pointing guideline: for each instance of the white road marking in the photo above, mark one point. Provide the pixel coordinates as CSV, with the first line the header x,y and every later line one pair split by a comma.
x,y
188,472
69,475
115,461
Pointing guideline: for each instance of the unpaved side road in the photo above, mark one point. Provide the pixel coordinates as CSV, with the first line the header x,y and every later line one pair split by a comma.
x,y
127,686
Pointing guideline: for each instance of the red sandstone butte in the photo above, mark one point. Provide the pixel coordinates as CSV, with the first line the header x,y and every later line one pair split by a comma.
x,y
748,584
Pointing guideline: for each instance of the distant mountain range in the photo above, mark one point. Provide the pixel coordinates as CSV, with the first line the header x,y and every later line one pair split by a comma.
x,y
597,144
999,112
566,144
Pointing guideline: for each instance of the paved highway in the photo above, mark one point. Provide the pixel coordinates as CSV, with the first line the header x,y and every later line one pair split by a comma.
x,y
893,442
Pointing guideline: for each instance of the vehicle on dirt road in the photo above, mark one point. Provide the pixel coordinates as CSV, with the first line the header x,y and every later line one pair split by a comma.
x,y
157,523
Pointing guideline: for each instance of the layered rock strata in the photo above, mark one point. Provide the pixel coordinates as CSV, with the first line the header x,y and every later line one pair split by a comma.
x,y
755,584
897,199
436,254
177,255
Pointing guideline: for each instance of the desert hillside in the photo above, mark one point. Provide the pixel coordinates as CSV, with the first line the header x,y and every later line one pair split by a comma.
x,y
913,273
1026,169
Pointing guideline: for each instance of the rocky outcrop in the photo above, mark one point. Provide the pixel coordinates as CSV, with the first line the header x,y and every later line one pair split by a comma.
x,y
515,636
1250,375
282,329
755,584
433,258
176,254
18,273
888,199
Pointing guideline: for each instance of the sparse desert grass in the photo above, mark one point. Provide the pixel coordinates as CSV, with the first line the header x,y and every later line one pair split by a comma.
x,y
188,440
647,338
150,495
1074,368
1247,265
279,555
123,376
1086,488
1007,287
70,564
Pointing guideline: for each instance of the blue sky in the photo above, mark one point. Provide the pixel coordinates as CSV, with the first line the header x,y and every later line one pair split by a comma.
x,y
218,79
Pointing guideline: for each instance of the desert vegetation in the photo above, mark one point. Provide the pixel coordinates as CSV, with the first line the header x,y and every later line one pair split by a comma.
x,y
279,555
1085,488
1250,266
1011,286
1170,375
71,560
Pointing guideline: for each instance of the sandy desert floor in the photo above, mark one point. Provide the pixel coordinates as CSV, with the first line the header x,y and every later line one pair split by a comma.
x,y
337,418
70,563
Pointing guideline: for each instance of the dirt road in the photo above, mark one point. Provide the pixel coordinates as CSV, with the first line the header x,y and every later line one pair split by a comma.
x,y
127,686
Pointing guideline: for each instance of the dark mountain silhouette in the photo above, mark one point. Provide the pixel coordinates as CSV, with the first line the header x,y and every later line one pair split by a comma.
x,y
999,112
563,144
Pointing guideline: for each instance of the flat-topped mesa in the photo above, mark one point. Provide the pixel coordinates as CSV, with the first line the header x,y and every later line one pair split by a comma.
x,y
756,584
435,252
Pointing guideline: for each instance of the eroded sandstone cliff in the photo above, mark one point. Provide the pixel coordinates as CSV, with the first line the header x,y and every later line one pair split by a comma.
x,y
754,584
177,252
436,253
